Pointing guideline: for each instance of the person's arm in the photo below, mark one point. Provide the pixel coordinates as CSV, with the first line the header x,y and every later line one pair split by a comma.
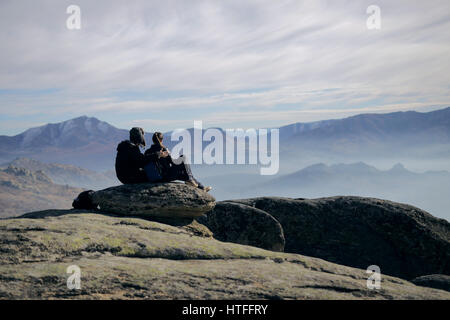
x,y
160,153
166,154
170,159
141,160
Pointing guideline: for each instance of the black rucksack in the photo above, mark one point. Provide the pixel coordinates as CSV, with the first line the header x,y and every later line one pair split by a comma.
x,y
84,201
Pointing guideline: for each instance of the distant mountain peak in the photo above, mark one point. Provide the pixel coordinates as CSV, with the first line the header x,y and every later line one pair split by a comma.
x,y
354,165
398,167
80,131
316,166
84,117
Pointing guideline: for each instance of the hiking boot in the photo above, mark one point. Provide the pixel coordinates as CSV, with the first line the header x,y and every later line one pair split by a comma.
x,y
207,188
202,187
191,183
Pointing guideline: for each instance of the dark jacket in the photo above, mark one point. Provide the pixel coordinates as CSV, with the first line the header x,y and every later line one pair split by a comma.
x,y
163,164
130,162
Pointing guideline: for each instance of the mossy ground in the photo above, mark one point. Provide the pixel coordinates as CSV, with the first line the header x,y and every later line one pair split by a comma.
x,y
132,258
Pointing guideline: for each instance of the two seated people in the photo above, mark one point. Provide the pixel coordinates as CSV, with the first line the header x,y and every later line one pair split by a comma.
x,y
155,165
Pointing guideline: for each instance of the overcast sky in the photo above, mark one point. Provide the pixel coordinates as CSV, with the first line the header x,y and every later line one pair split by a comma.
x,y
163,64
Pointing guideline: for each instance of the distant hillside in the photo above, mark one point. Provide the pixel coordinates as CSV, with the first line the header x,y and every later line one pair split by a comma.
x,y
360,176
404,136
429,190
400,134
85,142
23,191
68,174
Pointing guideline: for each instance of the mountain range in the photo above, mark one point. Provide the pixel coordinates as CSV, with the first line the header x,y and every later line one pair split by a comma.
x,y
400,136
84,141
317,159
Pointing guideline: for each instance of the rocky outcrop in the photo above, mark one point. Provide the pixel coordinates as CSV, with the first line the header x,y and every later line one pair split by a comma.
x,y
402,240
238,223
65,174
22,190
162,200
124,257
437,281
34,177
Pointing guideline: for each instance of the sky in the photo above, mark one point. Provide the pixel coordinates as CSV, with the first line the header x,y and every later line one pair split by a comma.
x,y
230,63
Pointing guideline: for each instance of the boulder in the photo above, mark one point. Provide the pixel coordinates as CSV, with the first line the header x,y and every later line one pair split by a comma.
x,y
238,223
437,281
402,240
134,258
161,200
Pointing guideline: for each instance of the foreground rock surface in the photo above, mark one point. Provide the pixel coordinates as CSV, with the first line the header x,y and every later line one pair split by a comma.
x,y
402,240
123,257
167,200
238,223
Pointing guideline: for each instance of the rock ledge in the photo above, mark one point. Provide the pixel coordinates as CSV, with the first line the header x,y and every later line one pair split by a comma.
x,y
163,200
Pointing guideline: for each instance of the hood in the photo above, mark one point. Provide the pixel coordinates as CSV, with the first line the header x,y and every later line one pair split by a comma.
x,y
137,136
126,144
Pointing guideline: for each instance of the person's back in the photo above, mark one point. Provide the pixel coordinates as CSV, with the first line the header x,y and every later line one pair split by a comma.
x,y
128,166
164,163
130,162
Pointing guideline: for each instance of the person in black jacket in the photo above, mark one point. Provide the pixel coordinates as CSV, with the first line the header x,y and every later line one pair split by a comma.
x,y
168,168
130,162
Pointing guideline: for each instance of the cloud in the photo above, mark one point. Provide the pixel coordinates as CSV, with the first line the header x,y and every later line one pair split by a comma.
x,y
207,58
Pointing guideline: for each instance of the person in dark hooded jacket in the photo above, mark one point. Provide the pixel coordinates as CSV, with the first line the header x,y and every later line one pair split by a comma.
x,y
130,162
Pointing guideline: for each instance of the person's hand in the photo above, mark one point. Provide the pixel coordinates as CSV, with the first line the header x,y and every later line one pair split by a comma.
x,y
163,154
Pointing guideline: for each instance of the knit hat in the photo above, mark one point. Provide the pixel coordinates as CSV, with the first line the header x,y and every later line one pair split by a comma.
x,y
137,136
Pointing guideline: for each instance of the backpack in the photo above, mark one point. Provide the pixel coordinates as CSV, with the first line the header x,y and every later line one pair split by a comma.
x,y
84,201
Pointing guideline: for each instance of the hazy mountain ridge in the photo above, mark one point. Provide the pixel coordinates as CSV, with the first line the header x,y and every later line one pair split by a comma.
x,y
22,191
393,137
71,133
428,190
68,174
91,143
83,141
386,125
